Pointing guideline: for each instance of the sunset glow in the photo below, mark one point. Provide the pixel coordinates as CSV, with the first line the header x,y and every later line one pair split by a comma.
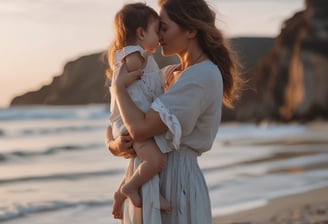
x,y
39,37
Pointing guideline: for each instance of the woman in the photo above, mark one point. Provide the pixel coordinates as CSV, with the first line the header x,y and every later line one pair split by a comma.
x,y
189,112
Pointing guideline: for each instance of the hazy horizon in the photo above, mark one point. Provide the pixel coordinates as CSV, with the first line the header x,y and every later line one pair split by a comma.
x,y
39,37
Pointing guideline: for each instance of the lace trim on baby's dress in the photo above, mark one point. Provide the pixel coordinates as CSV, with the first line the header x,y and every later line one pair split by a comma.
x,y
173,136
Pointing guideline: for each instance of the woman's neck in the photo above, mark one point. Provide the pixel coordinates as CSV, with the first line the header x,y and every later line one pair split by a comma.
x,y
191,57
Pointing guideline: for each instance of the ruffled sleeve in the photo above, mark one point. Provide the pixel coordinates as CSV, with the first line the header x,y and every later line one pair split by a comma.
x,y
171,139
121,54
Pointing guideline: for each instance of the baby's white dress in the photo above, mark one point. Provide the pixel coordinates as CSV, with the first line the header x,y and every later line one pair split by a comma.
x,y
143,92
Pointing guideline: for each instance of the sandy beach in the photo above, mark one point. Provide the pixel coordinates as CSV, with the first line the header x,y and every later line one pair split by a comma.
x,y
305,208
63,172
310,207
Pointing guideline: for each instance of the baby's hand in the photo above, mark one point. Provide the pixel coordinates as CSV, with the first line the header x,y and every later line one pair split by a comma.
x,y
124,78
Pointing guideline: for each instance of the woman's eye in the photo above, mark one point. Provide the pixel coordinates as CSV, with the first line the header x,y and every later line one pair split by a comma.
x,y
162,29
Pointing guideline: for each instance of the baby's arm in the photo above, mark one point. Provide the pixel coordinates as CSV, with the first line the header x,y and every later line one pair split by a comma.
x,y
134,61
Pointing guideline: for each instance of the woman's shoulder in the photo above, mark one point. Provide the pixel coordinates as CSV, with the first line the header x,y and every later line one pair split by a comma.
x,y
204,71
206,65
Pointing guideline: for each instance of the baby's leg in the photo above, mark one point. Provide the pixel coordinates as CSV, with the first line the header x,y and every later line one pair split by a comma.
x,y
118,202
152,162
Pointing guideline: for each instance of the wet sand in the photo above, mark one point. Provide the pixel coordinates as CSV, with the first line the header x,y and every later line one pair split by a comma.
x,y
305,208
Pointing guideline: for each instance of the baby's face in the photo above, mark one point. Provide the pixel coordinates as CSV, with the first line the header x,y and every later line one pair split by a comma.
x,y
150,42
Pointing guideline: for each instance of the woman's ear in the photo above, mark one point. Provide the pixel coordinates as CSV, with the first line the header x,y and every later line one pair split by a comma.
x,y
191,33
140,33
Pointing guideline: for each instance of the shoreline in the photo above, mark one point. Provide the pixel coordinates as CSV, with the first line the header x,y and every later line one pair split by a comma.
x,y
308,207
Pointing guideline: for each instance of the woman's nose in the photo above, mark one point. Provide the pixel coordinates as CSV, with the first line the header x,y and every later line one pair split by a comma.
x,y
160,37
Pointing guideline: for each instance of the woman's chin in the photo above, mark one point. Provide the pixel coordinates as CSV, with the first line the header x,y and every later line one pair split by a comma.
x,y
165,53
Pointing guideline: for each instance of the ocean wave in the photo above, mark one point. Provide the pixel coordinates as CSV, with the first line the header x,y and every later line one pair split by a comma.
x,y
5,157
22,210
62,176
45,131
54,112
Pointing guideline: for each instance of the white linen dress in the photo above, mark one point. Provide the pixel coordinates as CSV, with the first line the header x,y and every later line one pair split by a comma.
x,y
191,109
142,92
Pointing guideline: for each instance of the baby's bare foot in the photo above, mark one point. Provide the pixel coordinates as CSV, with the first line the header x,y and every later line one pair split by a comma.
x,y
118,205
132,194
164,204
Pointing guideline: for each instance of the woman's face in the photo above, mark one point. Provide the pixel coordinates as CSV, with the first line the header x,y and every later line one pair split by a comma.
x,y
172,38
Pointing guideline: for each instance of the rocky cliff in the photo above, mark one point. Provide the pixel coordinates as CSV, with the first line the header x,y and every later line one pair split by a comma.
x,y
286,79
82,81
291,81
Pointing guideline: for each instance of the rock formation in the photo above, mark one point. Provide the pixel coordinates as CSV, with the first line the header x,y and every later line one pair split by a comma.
x,y
82,82
291,82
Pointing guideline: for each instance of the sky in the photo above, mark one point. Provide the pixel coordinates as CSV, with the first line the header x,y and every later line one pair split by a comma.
x,y
38,37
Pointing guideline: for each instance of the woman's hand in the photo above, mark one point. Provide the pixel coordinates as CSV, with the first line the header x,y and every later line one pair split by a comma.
x,y
121,146
123,78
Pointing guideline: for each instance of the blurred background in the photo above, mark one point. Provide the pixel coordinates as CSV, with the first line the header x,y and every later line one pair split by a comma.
x,y
54,107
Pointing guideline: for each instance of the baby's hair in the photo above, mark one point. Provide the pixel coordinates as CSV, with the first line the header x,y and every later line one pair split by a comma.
x,y
126,22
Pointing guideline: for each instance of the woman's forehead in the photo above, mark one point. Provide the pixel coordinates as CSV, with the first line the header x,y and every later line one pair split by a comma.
x,y
163,16
162,13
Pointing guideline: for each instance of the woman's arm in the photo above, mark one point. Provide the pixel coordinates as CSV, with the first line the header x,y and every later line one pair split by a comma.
x,y
140,125
121,146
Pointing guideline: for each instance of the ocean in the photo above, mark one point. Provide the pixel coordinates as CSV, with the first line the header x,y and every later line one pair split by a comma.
x,y
55,168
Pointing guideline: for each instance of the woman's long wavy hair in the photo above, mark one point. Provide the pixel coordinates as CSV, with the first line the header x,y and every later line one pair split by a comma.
x,y
197,15
126,22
